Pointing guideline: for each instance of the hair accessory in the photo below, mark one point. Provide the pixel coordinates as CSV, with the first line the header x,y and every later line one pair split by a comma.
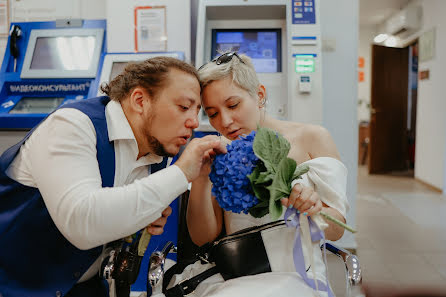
x,y
223,59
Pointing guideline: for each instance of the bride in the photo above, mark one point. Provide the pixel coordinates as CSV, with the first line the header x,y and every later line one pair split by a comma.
x,y
234,100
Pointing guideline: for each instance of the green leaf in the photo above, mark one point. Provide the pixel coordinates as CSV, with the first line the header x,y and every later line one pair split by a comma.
x,y
270,147
260,179
265,177
275,209
254,174
259,210
261,192
281,185
301,169
260,174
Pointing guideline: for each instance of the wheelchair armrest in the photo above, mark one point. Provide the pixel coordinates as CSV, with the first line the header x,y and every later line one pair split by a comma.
x,y
354,273
156,267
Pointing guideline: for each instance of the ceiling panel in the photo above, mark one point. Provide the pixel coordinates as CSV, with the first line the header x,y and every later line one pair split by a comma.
x,y
375,12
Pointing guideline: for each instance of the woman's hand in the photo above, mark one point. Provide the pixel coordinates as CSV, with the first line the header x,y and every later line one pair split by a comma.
x,y
209,157
205,170
304,199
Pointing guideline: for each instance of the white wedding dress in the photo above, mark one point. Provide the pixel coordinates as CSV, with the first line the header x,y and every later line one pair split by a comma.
x,y
328,176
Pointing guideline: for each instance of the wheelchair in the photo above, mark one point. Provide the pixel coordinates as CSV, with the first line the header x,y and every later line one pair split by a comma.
x,y
344,269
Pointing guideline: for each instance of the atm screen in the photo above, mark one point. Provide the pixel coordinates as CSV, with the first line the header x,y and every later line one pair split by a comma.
x,y
63,53
36,105
117,68
263,46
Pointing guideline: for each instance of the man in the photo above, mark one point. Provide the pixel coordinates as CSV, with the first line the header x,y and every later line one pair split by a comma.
x,y
81,179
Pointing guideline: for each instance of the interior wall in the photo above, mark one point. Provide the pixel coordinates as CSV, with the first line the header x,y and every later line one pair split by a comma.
x,y
340,91
430,154
366,35
430,150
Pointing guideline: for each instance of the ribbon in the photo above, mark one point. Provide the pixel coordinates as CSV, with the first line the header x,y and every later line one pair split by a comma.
x,y
298,256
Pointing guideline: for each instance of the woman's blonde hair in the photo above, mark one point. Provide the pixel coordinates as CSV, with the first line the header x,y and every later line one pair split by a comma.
x,y
243,73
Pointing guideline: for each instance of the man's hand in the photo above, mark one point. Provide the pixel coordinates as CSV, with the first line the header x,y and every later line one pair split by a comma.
x,y
198,154
157,227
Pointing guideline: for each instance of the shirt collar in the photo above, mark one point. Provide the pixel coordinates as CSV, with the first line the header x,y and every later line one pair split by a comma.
x,y
119,128
117,125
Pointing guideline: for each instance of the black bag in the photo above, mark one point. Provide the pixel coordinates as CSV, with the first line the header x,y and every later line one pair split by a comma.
x,y
242,253
239,254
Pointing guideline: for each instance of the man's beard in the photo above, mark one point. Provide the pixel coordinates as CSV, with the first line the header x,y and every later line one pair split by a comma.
x,y
157,147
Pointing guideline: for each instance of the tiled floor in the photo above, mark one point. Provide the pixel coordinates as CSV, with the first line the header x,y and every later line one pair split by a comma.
x,y
401,232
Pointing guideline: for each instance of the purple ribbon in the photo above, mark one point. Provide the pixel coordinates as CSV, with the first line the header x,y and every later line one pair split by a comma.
x,y
298,255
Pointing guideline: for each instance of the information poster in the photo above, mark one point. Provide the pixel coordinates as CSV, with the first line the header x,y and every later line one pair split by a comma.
x,y
150,29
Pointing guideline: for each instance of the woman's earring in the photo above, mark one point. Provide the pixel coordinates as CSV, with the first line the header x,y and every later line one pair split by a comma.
x,y
263,102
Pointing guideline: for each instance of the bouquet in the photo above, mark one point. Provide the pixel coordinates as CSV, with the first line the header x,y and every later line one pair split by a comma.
x,y
255,174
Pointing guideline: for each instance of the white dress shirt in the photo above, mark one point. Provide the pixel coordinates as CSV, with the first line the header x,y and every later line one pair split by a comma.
x,y
60,159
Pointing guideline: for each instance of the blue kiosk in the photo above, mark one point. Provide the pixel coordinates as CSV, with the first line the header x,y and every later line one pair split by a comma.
x,y
47,64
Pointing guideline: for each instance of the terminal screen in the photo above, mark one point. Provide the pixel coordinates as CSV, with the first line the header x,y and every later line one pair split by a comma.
x,y
117,68
263,46
63,53
36,105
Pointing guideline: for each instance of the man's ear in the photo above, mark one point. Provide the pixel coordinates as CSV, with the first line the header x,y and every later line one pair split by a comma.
x,y
137,99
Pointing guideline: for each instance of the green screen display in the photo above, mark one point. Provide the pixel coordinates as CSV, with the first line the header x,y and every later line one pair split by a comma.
x,y
304,64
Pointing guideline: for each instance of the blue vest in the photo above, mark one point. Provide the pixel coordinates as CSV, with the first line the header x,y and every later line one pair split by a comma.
x,y
35,258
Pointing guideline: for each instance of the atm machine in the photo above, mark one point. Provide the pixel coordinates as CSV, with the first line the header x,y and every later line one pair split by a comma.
x,y
47,64
283,39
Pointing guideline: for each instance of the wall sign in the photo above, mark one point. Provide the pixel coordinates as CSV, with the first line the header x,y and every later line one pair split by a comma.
x,y
150,29
59,88
424,74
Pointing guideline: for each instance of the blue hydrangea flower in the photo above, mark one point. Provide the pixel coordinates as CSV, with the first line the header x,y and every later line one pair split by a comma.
x,y
231,186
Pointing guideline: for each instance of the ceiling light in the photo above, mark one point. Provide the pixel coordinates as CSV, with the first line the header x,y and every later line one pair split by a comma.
x,y
391,41
380,38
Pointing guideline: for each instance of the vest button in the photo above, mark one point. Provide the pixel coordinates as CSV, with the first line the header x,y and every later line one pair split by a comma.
x,y
58,293
77,274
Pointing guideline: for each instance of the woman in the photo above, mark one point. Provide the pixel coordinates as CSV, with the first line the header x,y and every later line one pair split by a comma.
x,y
234,101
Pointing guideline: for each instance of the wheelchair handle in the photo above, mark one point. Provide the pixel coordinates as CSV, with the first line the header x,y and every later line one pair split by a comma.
x,y
351,262
156,267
